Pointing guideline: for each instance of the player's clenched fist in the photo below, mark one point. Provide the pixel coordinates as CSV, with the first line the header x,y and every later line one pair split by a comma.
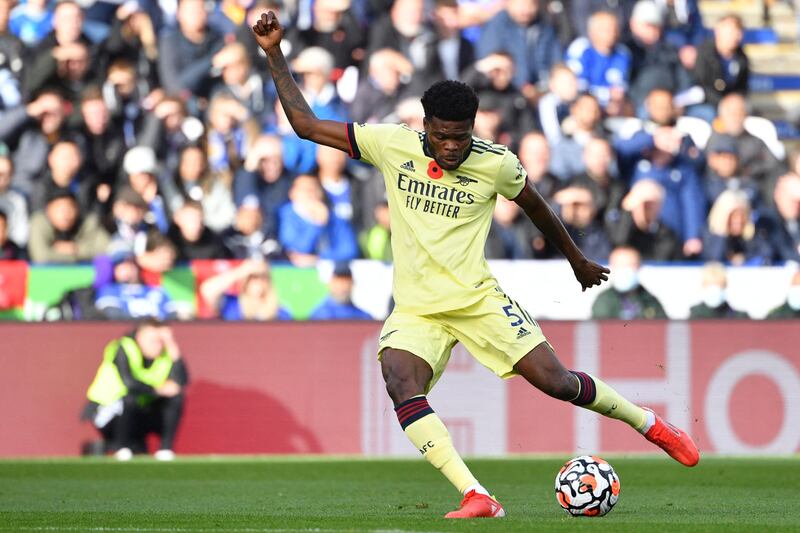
x,y
268,31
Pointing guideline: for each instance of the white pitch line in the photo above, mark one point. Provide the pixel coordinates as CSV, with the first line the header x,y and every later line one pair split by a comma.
x,y
181,529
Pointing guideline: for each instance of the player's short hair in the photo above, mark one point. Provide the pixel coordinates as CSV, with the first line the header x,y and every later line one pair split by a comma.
x,y
450,100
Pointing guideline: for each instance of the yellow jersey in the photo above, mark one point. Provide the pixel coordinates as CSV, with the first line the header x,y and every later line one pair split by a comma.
x,y
440,218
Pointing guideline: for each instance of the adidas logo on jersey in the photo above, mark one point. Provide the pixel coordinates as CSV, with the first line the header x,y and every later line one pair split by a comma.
x,y
522,333
408,165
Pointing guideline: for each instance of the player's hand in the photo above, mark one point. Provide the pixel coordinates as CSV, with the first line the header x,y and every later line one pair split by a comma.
x,y
588,273
268,31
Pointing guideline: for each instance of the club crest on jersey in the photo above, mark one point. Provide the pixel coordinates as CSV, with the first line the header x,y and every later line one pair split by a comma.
x,y
434,170
465,180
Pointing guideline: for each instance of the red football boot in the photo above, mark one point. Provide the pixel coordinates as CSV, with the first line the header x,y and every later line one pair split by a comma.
x,y
677,443
476,505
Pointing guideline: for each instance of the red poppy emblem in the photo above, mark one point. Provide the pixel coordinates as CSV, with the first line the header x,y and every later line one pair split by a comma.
x,y
434,170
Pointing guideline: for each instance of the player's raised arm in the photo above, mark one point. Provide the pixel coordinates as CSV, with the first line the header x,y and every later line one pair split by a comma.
x,y
268,33
588,273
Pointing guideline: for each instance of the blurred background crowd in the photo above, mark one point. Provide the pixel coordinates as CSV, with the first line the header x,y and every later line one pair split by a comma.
x,y
147,133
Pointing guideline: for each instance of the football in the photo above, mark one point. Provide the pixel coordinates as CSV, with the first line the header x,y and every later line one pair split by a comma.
x,y
587,486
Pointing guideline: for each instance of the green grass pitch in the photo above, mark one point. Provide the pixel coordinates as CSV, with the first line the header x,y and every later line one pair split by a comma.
x,y
335,495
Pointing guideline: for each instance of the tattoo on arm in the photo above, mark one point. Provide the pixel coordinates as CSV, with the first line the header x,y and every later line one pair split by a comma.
x,y
292,100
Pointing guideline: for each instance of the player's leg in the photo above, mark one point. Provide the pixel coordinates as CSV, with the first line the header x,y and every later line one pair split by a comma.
x,y
542,369
407,377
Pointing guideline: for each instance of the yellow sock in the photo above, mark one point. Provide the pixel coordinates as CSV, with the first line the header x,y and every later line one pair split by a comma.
x,y
600,398
427,432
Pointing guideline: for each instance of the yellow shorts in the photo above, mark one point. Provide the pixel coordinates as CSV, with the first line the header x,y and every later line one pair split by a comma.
x,y
496,330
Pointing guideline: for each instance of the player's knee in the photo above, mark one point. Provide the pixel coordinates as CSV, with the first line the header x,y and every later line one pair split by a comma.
x,y
563,386
402,387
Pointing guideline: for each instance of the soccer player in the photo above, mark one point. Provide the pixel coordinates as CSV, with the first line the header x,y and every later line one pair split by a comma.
x,y
442,184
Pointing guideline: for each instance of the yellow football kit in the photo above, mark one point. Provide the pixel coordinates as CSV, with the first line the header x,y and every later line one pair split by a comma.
x,y
443,289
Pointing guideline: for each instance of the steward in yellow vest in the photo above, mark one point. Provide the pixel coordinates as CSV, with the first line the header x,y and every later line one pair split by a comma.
x,y
138,389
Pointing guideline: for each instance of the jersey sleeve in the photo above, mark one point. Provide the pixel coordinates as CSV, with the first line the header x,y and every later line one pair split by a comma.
x,y
511,177
367,141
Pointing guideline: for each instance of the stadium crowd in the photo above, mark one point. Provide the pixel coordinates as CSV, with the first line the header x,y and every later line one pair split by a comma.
x,y
145,133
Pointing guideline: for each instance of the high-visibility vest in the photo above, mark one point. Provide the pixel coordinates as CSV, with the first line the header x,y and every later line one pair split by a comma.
x,y
108,386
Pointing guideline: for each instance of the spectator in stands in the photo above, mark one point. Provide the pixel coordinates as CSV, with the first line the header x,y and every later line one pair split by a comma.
x,y
158,256
534,154
579,214
127,98
339,304
683,28
638,224
781,227
791,307
448,53
654,61
492,79
583,123
241,81
12,202
601,62
756,161
169,128
714,302
139,389
264,182
185,53
659,132
342,242
229,133
731,235
401,28
246,239
315,67
194,180
129,230
133,38
9,250
554,107
257,298
722,66
65,58
12,59
382,89
626,299
127,297
489,120
103,140
141,170
333,28
303,220
670,158
601,177
522,31
60,233
510,235
192,238
30,21
64,171
375,241
724,172
29,131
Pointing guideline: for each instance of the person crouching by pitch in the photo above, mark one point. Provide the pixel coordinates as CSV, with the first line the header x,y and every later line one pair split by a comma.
x,y
139,389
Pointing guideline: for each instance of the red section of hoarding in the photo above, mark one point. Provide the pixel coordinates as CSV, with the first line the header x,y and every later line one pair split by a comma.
x,y
300,388
267,388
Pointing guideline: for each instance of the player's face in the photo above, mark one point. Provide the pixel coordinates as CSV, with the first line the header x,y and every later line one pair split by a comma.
x,y
449,141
